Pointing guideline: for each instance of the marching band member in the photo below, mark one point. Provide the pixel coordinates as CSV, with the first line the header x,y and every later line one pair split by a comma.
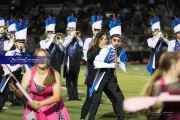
x,y
91,45
107,61
72,45
3,36
96,27
54,50
174,45
9,44
2,39
17,69
156,43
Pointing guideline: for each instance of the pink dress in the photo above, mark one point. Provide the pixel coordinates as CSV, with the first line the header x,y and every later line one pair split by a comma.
x,y
171,110
55,111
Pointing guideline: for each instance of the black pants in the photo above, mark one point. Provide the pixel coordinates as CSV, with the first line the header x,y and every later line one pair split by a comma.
x,y
115,91
4,97
87,103
1,73
6,91
71,84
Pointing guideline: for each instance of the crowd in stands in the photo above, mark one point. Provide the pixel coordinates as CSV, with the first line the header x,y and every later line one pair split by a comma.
x,y
134,16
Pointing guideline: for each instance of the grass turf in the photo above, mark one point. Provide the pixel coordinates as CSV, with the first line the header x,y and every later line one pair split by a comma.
x,y
131,84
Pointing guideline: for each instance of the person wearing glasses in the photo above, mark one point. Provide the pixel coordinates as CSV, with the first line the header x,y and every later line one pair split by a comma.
x,y
90,72
156,43
107,61
174,45
96,27
92,46
72,44
16,69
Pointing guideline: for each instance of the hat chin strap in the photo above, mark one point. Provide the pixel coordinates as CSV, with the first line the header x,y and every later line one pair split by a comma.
x,y
116,46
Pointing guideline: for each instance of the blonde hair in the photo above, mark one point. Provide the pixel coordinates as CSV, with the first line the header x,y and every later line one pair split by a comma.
x,y
50,79
165,62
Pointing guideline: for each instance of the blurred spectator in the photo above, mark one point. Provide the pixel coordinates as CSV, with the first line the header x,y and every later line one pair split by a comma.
x,y
134,15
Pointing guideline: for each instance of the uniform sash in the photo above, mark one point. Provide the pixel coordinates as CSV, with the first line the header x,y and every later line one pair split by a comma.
x,y
177,46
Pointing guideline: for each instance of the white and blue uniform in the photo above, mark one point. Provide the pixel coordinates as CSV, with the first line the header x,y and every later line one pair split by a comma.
x,y
174,45
8,44
15,67
106,57
56,54
105,61
87,44
156,46
44,44
71,63
71,45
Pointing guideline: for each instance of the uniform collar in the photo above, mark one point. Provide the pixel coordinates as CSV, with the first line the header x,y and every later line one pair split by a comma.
x,y
17,50
47,40
10,40
111,46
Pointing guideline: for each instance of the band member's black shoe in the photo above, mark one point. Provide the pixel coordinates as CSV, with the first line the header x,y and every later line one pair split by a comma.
x,y
69,99
17,103
76,98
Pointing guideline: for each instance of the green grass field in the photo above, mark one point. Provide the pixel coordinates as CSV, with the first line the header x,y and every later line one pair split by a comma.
x,y
131,84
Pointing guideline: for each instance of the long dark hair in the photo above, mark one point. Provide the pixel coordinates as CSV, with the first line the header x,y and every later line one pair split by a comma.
x,y
98,37
50,79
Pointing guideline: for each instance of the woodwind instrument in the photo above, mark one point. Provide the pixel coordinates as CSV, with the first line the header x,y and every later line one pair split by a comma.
x,y
117,58
22,53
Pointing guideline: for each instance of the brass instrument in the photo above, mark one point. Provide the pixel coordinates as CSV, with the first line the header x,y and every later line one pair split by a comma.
x,y
165,36
78,33
59,39
4,31
5,28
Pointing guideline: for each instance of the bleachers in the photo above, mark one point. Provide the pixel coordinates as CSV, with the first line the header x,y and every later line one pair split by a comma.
x,y
133,31
4,9
54,8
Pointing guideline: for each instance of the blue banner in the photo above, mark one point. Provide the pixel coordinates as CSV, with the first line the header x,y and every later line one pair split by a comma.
x,y
23,60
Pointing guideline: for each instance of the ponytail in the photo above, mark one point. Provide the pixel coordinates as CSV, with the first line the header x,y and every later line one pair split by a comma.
x,y
149,85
